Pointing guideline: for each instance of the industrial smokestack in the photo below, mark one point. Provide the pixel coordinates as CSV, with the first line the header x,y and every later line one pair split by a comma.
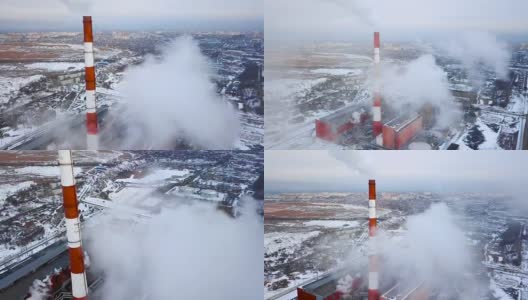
x,y
377,126
373,278
73,227
92,140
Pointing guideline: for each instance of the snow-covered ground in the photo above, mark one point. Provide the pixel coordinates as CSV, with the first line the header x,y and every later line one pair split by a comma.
x,y
11,134
46,171
252,131
56,66
9,86
198,193
499,293
490,137
284,88
286,242
291,292
131,195
7,190
287,127
158,176
337,71
331,223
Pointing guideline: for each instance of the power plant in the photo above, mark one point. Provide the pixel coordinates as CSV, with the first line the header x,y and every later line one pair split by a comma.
x,y
86,113
328,286
396,133
121,187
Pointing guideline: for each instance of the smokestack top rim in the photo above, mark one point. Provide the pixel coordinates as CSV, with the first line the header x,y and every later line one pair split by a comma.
x,y
372,181
87,18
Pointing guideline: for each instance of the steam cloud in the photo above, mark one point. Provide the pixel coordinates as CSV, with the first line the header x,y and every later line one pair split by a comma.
x,y
187,252
419,82
357,8
475,49
174,98
78,6
433,250
351,159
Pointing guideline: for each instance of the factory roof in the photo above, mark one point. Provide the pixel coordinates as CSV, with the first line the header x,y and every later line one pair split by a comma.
x,y
402,291
402,121
326,285
345,112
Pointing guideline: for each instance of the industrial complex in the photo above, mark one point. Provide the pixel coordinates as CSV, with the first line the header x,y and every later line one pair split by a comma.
x,y
328,246
365,285
45,95
398,130
328,108
48,205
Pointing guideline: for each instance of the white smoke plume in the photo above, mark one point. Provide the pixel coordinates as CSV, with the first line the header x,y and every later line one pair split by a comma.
x,y
433,250
416,83
357,8
186,252
344,285
39,289
174,99
352,159
475,49
78,6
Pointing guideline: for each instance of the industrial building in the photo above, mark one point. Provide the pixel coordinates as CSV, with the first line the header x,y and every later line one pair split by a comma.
x,y
327,287
394,134
406,292
331,127
399,131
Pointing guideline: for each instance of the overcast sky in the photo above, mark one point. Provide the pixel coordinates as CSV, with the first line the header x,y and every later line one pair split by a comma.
x,y
437,171
132,14
409,19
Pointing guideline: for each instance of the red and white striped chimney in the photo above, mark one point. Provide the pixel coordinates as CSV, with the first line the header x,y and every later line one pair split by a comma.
x,y
92,141
373,278
377,126
73,227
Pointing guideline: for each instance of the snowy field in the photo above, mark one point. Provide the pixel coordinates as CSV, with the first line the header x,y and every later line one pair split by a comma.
x,y
490,136
286,242
158,176
131,195
337,71
45,171
9,86
288,124
56,66
7,190
331,223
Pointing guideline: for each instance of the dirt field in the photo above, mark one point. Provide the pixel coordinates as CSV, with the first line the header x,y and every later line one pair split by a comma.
x,y
25,52
306,210
46,158
27,157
